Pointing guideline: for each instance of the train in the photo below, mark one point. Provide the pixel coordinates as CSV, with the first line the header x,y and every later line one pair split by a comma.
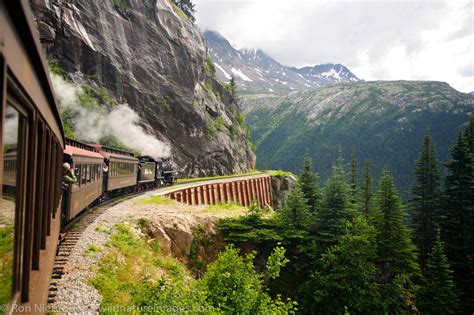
x,y
35,206
102,173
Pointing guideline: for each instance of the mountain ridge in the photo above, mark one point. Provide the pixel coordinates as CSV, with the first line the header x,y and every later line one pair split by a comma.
x,y
384,121
255,71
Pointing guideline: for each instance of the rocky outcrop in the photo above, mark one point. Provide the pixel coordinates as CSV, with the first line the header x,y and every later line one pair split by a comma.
x,y
193,240
281,188
147,54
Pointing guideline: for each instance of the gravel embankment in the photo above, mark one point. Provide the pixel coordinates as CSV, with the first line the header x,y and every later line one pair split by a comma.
x,y
75,294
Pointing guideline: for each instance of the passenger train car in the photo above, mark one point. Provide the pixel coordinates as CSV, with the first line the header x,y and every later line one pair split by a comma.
x,y
34,205
32,142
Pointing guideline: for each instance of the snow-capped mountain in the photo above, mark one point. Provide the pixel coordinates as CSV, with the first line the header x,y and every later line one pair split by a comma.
x,y
327,73
255,71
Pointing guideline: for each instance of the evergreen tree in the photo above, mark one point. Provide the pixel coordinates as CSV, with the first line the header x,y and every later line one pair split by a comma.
x,y
295,215
470,133
335,210
426,199
438,294
396,257
346,275
367,191
307,182
458,225
233,90
353,177
187,7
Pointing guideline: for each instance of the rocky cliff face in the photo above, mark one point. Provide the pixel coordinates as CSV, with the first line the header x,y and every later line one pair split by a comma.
x,y
150,55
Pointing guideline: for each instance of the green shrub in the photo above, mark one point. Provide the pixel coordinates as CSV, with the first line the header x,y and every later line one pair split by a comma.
x,y
240,118
234,287
233,131
210,131
56,69
164,105
219,123
209,68
120,4
208,86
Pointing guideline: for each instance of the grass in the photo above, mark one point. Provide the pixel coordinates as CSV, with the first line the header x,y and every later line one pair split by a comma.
x,y
134,273
279,173
178,10
6,263
102,230
157,200
186,180
225,208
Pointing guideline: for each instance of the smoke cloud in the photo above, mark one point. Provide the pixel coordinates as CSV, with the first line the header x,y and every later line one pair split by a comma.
x,y
93,122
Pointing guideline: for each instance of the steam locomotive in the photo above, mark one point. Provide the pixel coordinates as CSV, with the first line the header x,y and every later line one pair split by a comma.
x,y
33,206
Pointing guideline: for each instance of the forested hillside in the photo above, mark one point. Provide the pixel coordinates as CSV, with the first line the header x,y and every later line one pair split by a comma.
x,y
355,248
382,121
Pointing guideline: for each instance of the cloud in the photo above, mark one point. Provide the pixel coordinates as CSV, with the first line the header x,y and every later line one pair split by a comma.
x,y
421,40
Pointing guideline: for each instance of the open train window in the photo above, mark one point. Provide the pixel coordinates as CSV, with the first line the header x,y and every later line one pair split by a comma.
x,y
13,202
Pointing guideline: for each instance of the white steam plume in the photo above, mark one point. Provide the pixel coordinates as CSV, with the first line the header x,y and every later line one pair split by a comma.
x,y
92,124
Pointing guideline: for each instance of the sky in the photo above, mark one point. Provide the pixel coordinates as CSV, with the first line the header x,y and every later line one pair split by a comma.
x,y
376,40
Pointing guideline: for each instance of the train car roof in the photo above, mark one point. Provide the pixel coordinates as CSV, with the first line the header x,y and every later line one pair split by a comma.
x,y
26,64
109,153
75,151
109,156
146,158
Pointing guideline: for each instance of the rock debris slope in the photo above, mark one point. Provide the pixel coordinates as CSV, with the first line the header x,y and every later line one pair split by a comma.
x,y
150,55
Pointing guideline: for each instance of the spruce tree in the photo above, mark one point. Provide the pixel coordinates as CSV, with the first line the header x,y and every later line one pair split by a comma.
x,y
187,7
307,182
425,203
345,275
353,178
396,257
470,133
335,210
296,215
458,225
438,294
367,191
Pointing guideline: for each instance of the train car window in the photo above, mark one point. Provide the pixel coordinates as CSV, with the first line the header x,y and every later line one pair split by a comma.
x,y
92,175
8,205
83,175
88,174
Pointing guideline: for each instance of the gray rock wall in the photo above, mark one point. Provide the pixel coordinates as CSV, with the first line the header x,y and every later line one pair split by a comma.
x,y
143,52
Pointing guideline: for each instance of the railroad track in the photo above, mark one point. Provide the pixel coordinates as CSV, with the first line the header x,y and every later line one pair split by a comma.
x,y
76,227
73,233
